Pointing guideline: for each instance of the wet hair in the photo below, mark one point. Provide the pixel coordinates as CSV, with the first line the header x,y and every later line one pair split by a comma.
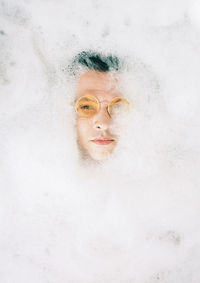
x,y
91,60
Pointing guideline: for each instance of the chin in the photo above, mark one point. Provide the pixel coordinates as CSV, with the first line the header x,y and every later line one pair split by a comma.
x,y
95,152
100,155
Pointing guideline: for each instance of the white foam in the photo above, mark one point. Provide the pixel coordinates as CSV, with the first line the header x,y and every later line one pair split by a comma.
x,y
133,218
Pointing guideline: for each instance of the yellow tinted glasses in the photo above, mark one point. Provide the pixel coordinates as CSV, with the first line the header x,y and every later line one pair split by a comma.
x,y
87,106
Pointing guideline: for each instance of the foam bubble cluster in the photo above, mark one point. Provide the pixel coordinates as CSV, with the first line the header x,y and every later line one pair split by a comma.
x,y
134,217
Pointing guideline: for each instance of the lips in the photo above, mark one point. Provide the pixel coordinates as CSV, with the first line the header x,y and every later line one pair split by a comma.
x,y
103,140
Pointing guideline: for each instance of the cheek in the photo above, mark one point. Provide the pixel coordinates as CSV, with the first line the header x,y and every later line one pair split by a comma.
x,y
83,128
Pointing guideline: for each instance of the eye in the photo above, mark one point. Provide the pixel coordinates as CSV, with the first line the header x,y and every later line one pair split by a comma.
x,y
85,107
118,106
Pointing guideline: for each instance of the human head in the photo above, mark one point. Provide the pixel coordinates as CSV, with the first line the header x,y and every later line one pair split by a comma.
x,y
98,78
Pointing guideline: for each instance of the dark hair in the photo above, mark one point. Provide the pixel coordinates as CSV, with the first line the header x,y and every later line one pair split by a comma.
x,y
95,61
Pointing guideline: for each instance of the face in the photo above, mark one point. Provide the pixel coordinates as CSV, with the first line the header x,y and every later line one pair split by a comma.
x,y
95,134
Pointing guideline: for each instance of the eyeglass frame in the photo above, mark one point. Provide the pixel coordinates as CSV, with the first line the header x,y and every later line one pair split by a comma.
x,y
99,103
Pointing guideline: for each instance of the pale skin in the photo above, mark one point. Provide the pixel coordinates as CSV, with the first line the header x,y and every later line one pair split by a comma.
x,y
95,135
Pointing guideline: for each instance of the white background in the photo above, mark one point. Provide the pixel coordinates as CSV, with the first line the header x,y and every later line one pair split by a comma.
x,y
135,218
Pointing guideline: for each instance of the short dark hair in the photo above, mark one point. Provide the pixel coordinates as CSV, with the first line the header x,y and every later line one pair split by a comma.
x,y
95,61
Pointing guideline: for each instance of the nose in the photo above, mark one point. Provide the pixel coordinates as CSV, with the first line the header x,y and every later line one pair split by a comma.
x,y
101,121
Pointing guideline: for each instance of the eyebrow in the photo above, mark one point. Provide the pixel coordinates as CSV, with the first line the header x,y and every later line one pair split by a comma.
x,y
96,91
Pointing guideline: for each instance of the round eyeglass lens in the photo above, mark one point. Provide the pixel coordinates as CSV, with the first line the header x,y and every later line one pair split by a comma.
x,y
87,106
118,106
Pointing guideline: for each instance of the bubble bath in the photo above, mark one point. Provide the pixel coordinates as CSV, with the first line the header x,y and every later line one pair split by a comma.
x,y
132,218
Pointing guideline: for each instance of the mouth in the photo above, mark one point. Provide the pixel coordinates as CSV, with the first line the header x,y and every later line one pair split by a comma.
x,y
103,140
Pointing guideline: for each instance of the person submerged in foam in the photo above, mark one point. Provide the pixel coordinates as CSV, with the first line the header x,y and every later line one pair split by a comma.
x,y
97,101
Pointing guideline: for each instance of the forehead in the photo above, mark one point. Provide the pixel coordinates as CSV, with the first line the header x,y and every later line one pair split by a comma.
x,y
100,84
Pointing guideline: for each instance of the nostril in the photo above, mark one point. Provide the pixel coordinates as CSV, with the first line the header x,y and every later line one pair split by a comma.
x,y
98,127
